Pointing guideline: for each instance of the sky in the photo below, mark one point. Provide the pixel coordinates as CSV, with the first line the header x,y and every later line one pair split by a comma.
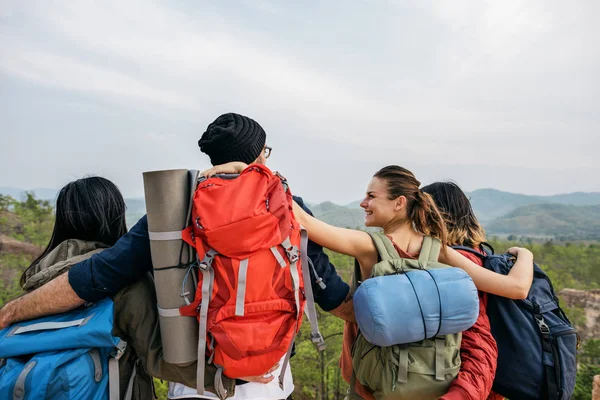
x,y
501,94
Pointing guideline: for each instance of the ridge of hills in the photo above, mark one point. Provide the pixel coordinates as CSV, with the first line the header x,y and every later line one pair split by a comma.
x,y
568,216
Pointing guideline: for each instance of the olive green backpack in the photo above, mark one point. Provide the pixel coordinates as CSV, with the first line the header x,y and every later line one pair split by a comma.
x,y
418,371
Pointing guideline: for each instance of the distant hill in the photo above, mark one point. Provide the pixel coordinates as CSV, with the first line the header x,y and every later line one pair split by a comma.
x,y
500,212
339,215
491,203
560,220
567,216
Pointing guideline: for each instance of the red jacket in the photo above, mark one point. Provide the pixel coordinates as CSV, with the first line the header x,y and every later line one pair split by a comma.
x,y
479,355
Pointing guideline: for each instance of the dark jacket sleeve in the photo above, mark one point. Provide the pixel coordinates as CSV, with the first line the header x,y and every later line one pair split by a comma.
x,y
336,289
106,273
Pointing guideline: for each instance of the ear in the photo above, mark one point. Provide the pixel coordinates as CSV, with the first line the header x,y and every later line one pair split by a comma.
x,y
400,203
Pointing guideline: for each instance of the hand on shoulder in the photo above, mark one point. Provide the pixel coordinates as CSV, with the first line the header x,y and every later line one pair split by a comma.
x,y
234,167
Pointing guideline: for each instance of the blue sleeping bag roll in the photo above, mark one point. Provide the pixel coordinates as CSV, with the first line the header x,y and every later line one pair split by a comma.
x,y
415,305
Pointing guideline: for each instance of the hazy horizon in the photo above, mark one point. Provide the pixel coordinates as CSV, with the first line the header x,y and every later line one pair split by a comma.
x,y
500,94
308,199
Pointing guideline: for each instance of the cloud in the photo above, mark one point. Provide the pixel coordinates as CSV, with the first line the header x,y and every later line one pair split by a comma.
x,y
510,83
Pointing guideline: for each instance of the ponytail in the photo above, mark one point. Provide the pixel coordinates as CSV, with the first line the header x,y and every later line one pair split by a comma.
x,y
427,218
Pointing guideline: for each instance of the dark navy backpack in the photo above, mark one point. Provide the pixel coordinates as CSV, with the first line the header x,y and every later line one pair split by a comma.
x,y
537,345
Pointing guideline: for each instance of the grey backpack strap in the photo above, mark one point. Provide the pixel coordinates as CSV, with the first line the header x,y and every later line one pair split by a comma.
x,y
384,246
430,251
19,388
113,371
402,363
208,276
129,392
309,307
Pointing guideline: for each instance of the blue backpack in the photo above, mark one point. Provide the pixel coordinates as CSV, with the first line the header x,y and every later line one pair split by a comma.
x,y
67,356
537,344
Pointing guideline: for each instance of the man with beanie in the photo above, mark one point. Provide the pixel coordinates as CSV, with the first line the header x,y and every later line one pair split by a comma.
x,y
231,137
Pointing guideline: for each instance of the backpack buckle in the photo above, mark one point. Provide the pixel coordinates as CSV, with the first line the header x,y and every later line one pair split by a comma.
x,y
120,349
207,260
293,254
318,341
542,325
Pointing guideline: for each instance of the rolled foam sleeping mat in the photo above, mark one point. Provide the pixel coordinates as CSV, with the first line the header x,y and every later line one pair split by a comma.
x,y
405,308
168,194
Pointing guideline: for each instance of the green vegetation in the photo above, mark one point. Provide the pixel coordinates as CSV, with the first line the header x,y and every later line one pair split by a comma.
x,y
317,376
29,220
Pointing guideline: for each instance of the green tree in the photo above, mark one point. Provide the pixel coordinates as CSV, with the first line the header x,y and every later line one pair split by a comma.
x,y
589,366
35,220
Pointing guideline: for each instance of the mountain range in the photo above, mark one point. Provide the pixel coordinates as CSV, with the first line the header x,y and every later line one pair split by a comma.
x,y
568,216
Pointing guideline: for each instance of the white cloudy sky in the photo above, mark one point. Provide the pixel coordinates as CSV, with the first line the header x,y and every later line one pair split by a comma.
x,y
120,87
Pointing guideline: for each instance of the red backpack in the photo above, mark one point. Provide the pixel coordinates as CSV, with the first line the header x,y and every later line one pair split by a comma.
x,y
253,279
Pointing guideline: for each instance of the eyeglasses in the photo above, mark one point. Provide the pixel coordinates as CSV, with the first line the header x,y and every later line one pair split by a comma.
x,y
268,151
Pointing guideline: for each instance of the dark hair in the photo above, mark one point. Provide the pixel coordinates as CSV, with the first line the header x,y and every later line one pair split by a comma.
x,y
422,211
463,227
90,209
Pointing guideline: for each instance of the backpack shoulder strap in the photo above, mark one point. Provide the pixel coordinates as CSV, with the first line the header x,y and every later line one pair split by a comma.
x,y
487,248
384,246
470,251
385,249
430,251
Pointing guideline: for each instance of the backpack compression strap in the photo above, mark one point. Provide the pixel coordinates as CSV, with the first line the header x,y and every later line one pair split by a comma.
x,y
309,307
311,312
208,275
113,371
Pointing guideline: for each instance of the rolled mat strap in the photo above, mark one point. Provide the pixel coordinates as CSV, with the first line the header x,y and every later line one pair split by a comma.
x,y
168,312
440,370
403,364
172,235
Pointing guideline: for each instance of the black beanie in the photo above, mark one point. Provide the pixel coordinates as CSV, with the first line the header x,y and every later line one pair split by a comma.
x,y
232,137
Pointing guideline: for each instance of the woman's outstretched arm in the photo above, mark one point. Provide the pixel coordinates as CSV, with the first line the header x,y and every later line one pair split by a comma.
x,y
351,242
515,285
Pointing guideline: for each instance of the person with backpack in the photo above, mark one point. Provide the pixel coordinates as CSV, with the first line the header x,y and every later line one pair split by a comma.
x,y
479,352
90,217
546,337
231,137
411,223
